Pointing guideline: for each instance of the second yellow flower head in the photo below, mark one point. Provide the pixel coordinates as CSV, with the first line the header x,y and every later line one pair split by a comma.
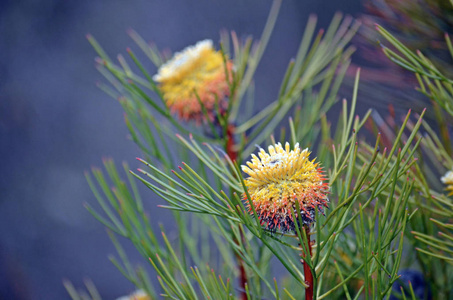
x,y
197,71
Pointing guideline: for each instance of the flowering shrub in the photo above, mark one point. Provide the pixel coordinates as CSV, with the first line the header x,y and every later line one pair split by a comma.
x,y
381,198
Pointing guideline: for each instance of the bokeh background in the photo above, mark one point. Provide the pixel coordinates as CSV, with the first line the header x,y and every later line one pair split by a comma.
x,y
55,123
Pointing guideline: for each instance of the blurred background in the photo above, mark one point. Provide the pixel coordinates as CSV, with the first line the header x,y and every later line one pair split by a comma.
x,y
55,123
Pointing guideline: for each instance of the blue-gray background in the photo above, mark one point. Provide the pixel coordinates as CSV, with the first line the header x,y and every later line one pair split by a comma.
x,y
55,123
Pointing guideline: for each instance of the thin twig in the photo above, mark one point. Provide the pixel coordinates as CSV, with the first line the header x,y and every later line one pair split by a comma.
x,y
307,271
232,154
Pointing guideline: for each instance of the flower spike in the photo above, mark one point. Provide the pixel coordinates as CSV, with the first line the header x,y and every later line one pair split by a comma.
x,y
448,180
278,179
193,78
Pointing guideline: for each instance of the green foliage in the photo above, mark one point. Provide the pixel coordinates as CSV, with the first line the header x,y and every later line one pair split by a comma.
x,y
431,231
433,83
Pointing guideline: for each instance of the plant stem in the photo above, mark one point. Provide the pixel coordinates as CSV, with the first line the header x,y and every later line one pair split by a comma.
x,y
307,271
242,274
232,154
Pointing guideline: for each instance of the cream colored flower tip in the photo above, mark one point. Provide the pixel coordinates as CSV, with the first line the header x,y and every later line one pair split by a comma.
x,y
275,156
137,295
181,59
447,178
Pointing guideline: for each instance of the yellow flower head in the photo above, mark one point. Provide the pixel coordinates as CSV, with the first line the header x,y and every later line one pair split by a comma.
x,y
200,71
280,178
448,180
137,295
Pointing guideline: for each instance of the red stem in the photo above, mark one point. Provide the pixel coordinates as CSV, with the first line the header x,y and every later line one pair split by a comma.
x,y
307,271
232,154
242,274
